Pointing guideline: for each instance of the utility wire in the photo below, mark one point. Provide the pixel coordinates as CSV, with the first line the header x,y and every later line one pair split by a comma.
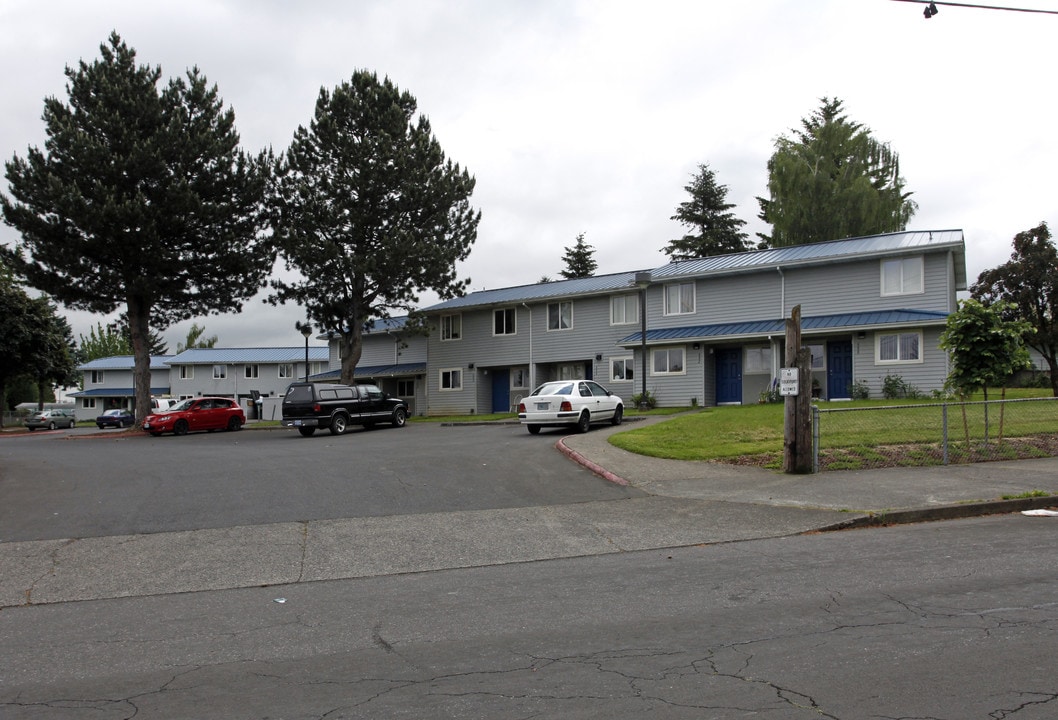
x,y
982,7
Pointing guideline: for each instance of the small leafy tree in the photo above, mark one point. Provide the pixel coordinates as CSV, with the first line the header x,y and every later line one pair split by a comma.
x,y
716,230
196,339
369,212
986,349
580,260
1028,285
102,342
832,180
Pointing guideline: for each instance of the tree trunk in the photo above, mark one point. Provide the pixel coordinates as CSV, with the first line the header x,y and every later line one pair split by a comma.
x,y
352,350
139,330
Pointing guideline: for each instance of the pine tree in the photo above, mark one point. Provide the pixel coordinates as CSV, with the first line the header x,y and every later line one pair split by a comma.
x,y
580,260
832,180
707,212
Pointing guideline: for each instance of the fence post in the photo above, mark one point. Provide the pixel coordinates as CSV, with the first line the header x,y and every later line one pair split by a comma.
x,y
944,430
815,438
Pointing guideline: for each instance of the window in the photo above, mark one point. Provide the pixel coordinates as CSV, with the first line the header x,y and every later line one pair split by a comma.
x,y
899,348
88,402
902,276
97,377
252,371
451,327
574,371
624,309
315,368
817,356
757,360
622,369
286,370
187,372
560,316
519,378
452,379
503,321
668,361
220,372
679,298
405,388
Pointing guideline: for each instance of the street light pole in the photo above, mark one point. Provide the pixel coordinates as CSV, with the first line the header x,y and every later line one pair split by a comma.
x,y
306,330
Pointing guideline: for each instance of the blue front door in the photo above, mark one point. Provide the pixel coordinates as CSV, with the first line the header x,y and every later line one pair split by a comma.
x,y
839,369
729,376
501,390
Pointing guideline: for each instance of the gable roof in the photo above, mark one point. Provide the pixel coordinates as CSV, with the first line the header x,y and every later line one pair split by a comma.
x,y
847,250
265,355
124,362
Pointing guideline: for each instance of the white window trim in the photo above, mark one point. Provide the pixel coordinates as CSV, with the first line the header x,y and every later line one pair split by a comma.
x,y
559,304
624,300
283,376
878,336
452,338
665,299
458,372
187,372
252,371
220,372
514,322
524,373
629,362
766,368
96,377
655,351
921,274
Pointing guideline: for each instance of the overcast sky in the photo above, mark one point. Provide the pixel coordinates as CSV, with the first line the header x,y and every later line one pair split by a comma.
x,y
590,117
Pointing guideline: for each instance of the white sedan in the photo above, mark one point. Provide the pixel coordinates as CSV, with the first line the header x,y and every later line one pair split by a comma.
x,y
570,402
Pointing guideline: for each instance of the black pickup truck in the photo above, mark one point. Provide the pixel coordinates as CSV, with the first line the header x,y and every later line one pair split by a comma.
x,y
308,406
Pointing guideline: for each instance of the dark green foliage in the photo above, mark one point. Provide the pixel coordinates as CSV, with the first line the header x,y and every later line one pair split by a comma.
x,y
18,327
986,349
368,212
1028,283
53,358
141,199
580,260
832,180
717,231
103,342
196,338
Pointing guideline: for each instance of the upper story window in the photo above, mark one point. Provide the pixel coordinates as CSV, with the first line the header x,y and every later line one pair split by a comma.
x,y
903,347
624,309
503,321
253,371
560,315
187,372
679,298
451,327
220,372
286,370
903,276
97,377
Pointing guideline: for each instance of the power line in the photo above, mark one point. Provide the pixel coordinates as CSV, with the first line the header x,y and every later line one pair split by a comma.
x,y
932,7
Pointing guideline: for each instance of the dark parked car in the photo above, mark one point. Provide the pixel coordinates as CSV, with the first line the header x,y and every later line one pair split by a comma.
x,y
115,418
308,406
51,419
195,414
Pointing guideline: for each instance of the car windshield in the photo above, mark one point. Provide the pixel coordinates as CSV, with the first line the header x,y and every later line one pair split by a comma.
x,y
554,388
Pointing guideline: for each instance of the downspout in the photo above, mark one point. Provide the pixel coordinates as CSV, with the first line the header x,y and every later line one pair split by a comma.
x,y
532,368
782,292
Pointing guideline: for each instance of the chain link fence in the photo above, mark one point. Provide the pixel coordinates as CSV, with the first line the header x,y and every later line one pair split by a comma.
x,y
934,433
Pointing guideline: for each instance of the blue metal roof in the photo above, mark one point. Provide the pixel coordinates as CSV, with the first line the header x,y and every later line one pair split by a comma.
x,y
764,328
221,356
371,371
116,392
124,362
755,260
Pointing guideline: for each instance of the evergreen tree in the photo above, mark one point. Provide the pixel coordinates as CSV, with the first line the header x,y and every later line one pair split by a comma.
x,y
195,339
369,212
18,330
53,358
1028,284
141,199
717,231
580,260
832,180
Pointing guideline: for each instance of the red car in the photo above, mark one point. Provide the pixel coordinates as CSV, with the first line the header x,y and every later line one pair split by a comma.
x,y
195,414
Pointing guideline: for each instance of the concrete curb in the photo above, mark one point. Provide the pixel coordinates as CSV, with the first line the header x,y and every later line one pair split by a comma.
x,y
944,512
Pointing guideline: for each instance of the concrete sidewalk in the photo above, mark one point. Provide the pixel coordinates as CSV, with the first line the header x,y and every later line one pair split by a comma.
x,y
687,503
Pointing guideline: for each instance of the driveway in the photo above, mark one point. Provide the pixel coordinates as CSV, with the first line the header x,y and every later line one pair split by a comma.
x,y
88,484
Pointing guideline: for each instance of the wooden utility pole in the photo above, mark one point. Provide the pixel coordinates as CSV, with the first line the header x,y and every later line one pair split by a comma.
x,y
796,386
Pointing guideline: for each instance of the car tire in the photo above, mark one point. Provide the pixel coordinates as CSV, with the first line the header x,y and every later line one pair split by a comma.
x,y
339,424
31,429
234,424
533,429
180,428
72,424
583,422
51,425
400,418
121,424
306,432
618,416
99,426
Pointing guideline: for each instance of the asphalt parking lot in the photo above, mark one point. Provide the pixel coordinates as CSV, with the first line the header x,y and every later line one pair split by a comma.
x,y
84,483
